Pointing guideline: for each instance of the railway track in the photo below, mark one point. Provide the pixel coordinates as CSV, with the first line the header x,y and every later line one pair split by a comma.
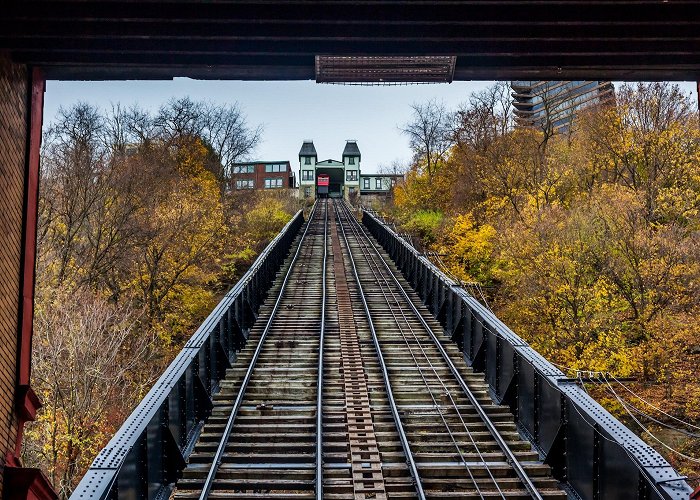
x,y
401,416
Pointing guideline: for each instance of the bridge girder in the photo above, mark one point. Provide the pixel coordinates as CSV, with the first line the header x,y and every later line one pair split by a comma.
x,y
261,40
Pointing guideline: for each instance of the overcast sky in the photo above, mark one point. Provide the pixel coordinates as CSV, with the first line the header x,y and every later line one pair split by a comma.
x,y
290,111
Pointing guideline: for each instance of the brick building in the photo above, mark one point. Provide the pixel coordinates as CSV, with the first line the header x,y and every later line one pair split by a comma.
x,y
262,175
21,107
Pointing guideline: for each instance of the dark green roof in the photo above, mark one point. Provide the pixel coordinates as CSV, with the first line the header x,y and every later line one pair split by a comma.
x,y
308,149
351,149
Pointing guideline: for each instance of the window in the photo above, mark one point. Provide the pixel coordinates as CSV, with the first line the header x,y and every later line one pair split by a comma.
x,y
273,183
366,183
245,184
275,167
307,160
351,191
378,184
244,169
307,175
307,192
351,175
351,160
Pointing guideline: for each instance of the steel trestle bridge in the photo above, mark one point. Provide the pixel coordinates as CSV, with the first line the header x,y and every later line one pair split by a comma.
x,y
336,369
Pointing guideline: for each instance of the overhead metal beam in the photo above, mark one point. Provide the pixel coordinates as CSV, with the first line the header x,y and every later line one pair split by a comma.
x,y
527,39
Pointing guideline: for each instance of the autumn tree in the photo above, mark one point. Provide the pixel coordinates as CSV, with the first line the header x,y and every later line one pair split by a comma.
x,y
133,241
429,135
650,143
223,128
85,348
484,118
183,230
587,243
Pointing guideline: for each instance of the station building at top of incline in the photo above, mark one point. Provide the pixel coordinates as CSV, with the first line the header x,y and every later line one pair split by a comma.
x,y
344,177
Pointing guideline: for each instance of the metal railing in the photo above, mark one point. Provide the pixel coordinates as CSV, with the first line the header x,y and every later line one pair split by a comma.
x,y
589,451
146,455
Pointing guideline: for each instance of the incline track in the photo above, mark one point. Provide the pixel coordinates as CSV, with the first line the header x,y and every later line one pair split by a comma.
x,y
401,415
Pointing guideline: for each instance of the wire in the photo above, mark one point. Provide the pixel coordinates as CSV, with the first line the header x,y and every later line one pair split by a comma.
x,y
583,386
664,424
654,407
486,303
471,285
646,430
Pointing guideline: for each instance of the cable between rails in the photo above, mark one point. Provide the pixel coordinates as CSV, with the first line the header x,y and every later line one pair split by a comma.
x,y
518,468
319,385
376,272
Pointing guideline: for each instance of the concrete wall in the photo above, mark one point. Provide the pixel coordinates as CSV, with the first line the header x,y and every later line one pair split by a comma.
x,y
14,89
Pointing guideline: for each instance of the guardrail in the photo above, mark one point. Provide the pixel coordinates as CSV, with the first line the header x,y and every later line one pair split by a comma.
x,y
590,452
146,455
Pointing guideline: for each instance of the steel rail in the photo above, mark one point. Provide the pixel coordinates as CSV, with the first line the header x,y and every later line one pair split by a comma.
x,y
220,450
512,459
319,384
385,374
376,272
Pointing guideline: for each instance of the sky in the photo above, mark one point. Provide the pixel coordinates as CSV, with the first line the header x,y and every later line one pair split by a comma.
x,y
290,112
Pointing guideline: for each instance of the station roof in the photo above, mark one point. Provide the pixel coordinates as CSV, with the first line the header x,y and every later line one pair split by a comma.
x,y
330,163
288,40
308,149
351,149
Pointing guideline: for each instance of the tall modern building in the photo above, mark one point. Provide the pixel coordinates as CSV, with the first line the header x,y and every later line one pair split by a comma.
x,y
553,105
